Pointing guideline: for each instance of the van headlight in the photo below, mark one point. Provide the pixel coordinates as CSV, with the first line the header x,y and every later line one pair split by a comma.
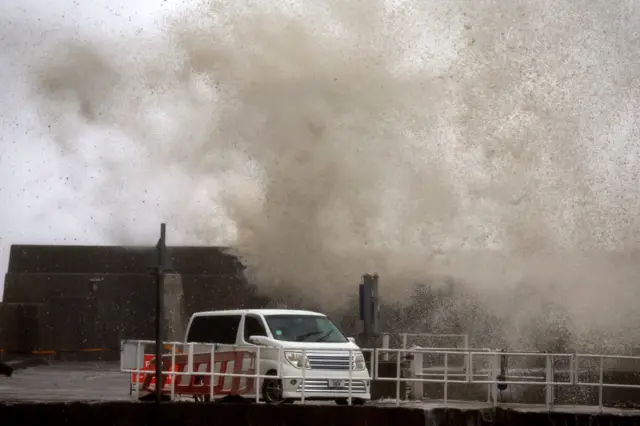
x,y
358,362
296,359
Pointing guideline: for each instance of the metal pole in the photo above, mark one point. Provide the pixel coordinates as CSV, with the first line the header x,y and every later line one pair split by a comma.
x,y
160,249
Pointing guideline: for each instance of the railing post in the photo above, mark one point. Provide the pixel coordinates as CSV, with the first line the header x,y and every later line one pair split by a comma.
x,y
572,369
493,386
417,370
138,368
172,374
256,383
404,340
600,383
304,374
549,375
446,376
351,362
280,355
374,363
398,379
212,372
189,364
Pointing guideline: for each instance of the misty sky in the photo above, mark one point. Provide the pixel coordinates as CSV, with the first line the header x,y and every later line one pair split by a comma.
x,y
39,205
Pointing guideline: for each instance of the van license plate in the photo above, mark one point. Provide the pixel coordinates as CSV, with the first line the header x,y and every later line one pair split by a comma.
x,y
336,383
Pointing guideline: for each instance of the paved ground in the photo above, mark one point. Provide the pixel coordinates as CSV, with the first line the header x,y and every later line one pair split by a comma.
x,y
102,381
467,405
66,382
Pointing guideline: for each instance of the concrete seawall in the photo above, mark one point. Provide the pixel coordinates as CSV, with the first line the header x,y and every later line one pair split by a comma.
x,y
194,414
74,299
61,259
97,310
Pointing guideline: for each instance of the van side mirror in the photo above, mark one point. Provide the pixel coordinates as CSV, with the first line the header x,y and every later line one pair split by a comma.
x,y
259,340
351,339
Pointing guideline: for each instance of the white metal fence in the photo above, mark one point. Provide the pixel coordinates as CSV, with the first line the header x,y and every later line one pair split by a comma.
x,y
407,340
492,369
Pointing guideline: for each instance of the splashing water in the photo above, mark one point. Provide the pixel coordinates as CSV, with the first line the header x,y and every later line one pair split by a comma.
x,y
490,142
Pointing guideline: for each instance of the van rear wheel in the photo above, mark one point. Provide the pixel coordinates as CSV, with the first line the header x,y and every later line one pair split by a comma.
x,y
272,389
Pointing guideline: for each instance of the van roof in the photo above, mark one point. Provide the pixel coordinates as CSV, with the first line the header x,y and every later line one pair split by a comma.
x,y
257,311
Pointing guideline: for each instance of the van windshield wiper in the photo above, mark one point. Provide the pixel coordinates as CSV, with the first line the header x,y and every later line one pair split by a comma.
x,y
324,336
305,336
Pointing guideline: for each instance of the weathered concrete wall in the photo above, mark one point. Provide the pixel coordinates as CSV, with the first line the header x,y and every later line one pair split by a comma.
x,y
88,311
211,292
60,259
193,414
71,298
85,311
200,292
20,326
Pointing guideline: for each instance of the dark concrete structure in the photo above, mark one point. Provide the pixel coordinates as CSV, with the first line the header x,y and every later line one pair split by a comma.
x,y
194,414
71,299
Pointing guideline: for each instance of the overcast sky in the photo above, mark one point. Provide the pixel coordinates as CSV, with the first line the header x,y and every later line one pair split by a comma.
x,y
26,156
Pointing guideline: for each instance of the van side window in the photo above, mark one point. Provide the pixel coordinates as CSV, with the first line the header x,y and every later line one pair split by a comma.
x,y
214,329
253,327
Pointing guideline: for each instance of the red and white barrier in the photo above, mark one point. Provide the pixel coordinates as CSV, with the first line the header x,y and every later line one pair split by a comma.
x,y
190,383
138,379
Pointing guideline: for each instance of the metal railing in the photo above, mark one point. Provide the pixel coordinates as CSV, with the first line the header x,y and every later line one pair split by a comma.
x,y
493,371
496,373
404,342
404,339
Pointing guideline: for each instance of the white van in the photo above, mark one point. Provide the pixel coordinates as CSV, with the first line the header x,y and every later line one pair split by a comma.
x,y
293,331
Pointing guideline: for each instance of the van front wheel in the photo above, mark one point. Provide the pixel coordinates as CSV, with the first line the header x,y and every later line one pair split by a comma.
x,y
272,389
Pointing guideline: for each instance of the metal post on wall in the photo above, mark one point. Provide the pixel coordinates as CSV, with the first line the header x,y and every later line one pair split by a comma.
x,y
369,310
162,265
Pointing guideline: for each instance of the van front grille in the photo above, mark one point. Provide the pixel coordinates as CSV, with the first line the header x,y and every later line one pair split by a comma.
x,y
328,362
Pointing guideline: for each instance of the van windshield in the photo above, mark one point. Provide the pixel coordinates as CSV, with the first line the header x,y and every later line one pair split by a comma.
x,y
304,328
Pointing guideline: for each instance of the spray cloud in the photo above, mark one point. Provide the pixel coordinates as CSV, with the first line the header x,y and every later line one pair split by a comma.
x,y
485,141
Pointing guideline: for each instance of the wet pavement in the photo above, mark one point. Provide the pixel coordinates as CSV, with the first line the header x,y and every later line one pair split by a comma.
x,y
60,381
103,381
